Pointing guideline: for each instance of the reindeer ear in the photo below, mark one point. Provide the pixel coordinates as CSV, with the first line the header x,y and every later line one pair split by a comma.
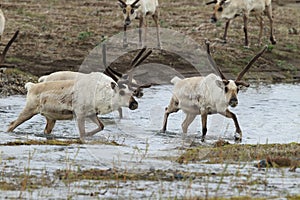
x,y
113,85
220,84
136,6
121,5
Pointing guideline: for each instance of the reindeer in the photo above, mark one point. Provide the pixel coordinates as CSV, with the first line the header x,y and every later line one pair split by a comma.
x,y
207,95
229,9
116,76
89,95
139,9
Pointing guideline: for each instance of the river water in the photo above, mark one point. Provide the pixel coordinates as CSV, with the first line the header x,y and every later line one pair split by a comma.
x,y
266,113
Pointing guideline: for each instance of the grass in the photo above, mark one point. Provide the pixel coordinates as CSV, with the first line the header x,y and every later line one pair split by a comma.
x,y
233,153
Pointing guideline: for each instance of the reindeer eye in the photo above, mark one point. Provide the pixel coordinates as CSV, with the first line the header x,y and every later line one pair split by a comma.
x,y
226,89
132,11
124,11
122,92
220,9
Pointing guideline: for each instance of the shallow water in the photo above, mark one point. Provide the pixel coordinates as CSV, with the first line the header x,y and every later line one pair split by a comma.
x,y
266,113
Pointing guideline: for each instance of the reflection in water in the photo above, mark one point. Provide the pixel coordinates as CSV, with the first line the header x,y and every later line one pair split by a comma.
x,y
266,113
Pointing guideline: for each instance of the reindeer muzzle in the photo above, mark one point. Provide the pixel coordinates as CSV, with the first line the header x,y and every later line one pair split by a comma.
x,y
133,104
233,102
213,19
127,21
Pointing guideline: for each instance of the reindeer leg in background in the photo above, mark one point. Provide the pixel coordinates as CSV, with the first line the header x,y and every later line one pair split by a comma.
x,y
261,24
125,43
225,32
269,15
246,29
141,26
155,18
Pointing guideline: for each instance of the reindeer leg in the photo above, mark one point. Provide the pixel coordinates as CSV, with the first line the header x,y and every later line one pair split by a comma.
x,y
25,115
97,121
49,126
246,29
170,109
189,118
81,126
231,115
261,23
141,30
204,125
269,15
125,42
155,18
225,32
120,113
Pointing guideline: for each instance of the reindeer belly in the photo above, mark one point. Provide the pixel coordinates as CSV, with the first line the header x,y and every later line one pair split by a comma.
x,y
56,107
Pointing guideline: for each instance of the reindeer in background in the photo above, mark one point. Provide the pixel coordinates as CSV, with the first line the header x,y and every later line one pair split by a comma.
x,y
139,9
229,9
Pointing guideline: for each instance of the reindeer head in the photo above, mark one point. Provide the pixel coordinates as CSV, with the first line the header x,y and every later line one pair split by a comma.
x,y
123,96
218,9
129,11
231,87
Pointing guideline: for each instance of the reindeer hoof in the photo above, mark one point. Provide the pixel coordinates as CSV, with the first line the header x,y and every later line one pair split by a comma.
x,y
237,137
162,131
203,139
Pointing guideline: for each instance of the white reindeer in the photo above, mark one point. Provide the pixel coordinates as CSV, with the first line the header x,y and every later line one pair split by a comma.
x,y
116,76
229,9
207,95
85,97
139,9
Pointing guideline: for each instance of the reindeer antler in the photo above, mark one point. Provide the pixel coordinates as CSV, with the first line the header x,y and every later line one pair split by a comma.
x,y
242,73
212,61
133,4
108,70
211,2
2,56
122,3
